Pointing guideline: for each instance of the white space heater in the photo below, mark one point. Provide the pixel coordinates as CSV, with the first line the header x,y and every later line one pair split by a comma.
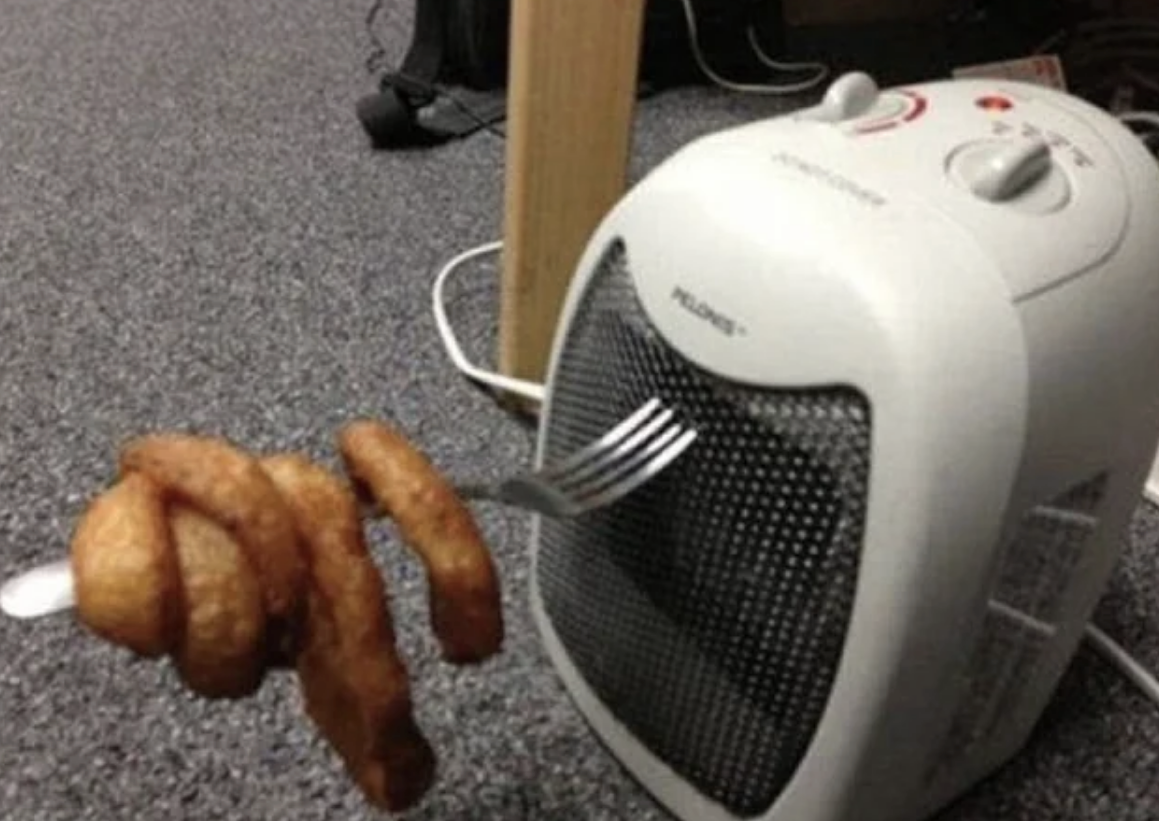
x,y
918,332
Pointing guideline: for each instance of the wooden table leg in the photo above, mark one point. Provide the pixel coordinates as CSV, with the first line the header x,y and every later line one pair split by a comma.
x,y
571,100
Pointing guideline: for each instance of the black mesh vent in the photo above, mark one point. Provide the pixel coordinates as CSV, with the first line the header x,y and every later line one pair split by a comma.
x,y
708,610
1020,622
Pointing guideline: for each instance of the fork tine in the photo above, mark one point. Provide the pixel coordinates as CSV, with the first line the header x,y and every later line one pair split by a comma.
x,y
622,464
608,458
612,437
631,478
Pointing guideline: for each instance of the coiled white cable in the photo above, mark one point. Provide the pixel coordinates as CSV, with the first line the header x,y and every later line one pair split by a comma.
x,y
1143,117
820,70
1124,662
520,387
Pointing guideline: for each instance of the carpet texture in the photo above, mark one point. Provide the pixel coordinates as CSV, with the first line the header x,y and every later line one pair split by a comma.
x,y
194,235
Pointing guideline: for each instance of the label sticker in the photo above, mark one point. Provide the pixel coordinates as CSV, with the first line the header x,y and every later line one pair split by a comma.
x,y
1041,69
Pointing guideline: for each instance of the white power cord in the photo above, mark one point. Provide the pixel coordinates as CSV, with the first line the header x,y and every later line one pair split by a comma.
x,y
520,387
1151,141
1150,118
1151,489
1149,134
1139,675
820,70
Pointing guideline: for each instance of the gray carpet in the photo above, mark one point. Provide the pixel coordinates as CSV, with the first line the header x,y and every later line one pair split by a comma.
x,y
194,235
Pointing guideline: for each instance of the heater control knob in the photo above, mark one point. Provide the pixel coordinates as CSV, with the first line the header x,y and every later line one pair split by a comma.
x,y
1021,172
848,97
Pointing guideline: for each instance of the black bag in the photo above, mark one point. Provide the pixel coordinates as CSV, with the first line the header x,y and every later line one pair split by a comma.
x,y
464,44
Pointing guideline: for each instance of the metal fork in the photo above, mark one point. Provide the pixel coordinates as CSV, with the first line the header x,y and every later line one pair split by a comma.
x,y
627,456
608,469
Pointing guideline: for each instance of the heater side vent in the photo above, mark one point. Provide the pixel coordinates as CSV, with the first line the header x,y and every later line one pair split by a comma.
x,y
1026,602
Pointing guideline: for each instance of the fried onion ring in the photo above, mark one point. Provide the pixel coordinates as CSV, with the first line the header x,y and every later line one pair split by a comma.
x,y
355,685
231,563
465,605
125,571
227,485
220,654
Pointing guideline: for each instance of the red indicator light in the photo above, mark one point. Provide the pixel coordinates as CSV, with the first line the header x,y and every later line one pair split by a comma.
x,y
994,103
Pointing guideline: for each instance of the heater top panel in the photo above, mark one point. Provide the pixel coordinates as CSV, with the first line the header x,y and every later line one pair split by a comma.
x,y
1046,184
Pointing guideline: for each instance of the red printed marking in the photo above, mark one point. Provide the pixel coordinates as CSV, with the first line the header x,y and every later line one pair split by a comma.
x,y
919,108
870,129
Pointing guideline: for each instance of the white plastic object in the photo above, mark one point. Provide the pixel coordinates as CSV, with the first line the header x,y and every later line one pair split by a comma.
x,y
1131,669
1020,175
849,96
997,170
820,71
1152,486
887,107
520,387
1150,118
1007,354
39,592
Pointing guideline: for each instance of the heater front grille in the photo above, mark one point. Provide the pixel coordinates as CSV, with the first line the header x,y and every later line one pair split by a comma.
x,y
708,610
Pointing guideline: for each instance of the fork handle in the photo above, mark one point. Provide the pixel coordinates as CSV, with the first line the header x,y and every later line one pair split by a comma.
x,y
478,491
525,495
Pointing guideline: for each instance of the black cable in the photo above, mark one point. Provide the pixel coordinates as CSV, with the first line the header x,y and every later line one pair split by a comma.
x,y
374,61
470,112
456,101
